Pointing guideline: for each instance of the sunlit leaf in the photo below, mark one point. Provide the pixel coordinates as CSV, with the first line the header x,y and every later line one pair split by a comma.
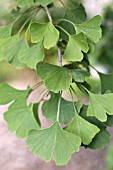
x,y
53,140
91,29
43,32
100,106
77,44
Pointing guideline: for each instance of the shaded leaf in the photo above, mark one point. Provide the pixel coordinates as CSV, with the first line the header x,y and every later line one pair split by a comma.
x,y
106,82
53,140
56,78
50,108
76,15
101,140
79,75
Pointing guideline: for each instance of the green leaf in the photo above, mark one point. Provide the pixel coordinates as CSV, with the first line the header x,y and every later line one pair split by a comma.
x,y
53,140
76,15
44,2
35,111
46,32
13,51
77,44
100,106
101,140
6,42
8,94
109,121
82,128
22,3
56,78
91,29
50,108
20,118
106,82
79,75
5,31
32,55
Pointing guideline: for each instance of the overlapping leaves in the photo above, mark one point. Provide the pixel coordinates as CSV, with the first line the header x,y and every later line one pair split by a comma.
x,y
20,118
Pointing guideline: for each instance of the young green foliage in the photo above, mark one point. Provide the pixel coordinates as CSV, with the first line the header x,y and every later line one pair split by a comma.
x,y
44,27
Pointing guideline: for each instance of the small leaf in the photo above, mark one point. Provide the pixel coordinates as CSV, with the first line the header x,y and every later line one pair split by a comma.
x,y
46,32
82,128
50,107
22,3
106,82
91,29
44,2
100,106
32,55
20,118
77,44
53,140
56,78
79,75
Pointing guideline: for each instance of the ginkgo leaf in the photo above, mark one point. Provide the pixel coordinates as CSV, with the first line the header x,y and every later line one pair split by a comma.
x,y
76,15
39,32
50,107
8,93
106,82
13,50
100,106
53,141
101,140
4,43
20,118
91,29
22,3
56,78
79,75
77,44
82,128
32,55
5,31
44,2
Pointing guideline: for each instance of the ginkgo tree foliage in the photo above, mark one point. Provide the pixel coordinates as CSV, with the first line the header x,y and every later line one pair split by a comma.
x,y
73,37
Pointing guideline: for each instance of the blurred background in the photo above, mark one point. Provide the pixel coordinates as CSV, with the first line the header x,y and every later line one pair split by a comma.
x,y
14,154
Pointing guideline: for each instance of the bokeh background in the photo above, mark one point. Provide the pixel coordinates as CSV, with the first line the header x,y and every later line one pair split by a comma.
x,y
14,154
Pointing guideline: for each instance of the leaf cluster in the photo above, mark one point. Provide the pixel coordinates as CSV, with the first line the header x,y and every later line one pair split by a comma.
x,y
74,123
